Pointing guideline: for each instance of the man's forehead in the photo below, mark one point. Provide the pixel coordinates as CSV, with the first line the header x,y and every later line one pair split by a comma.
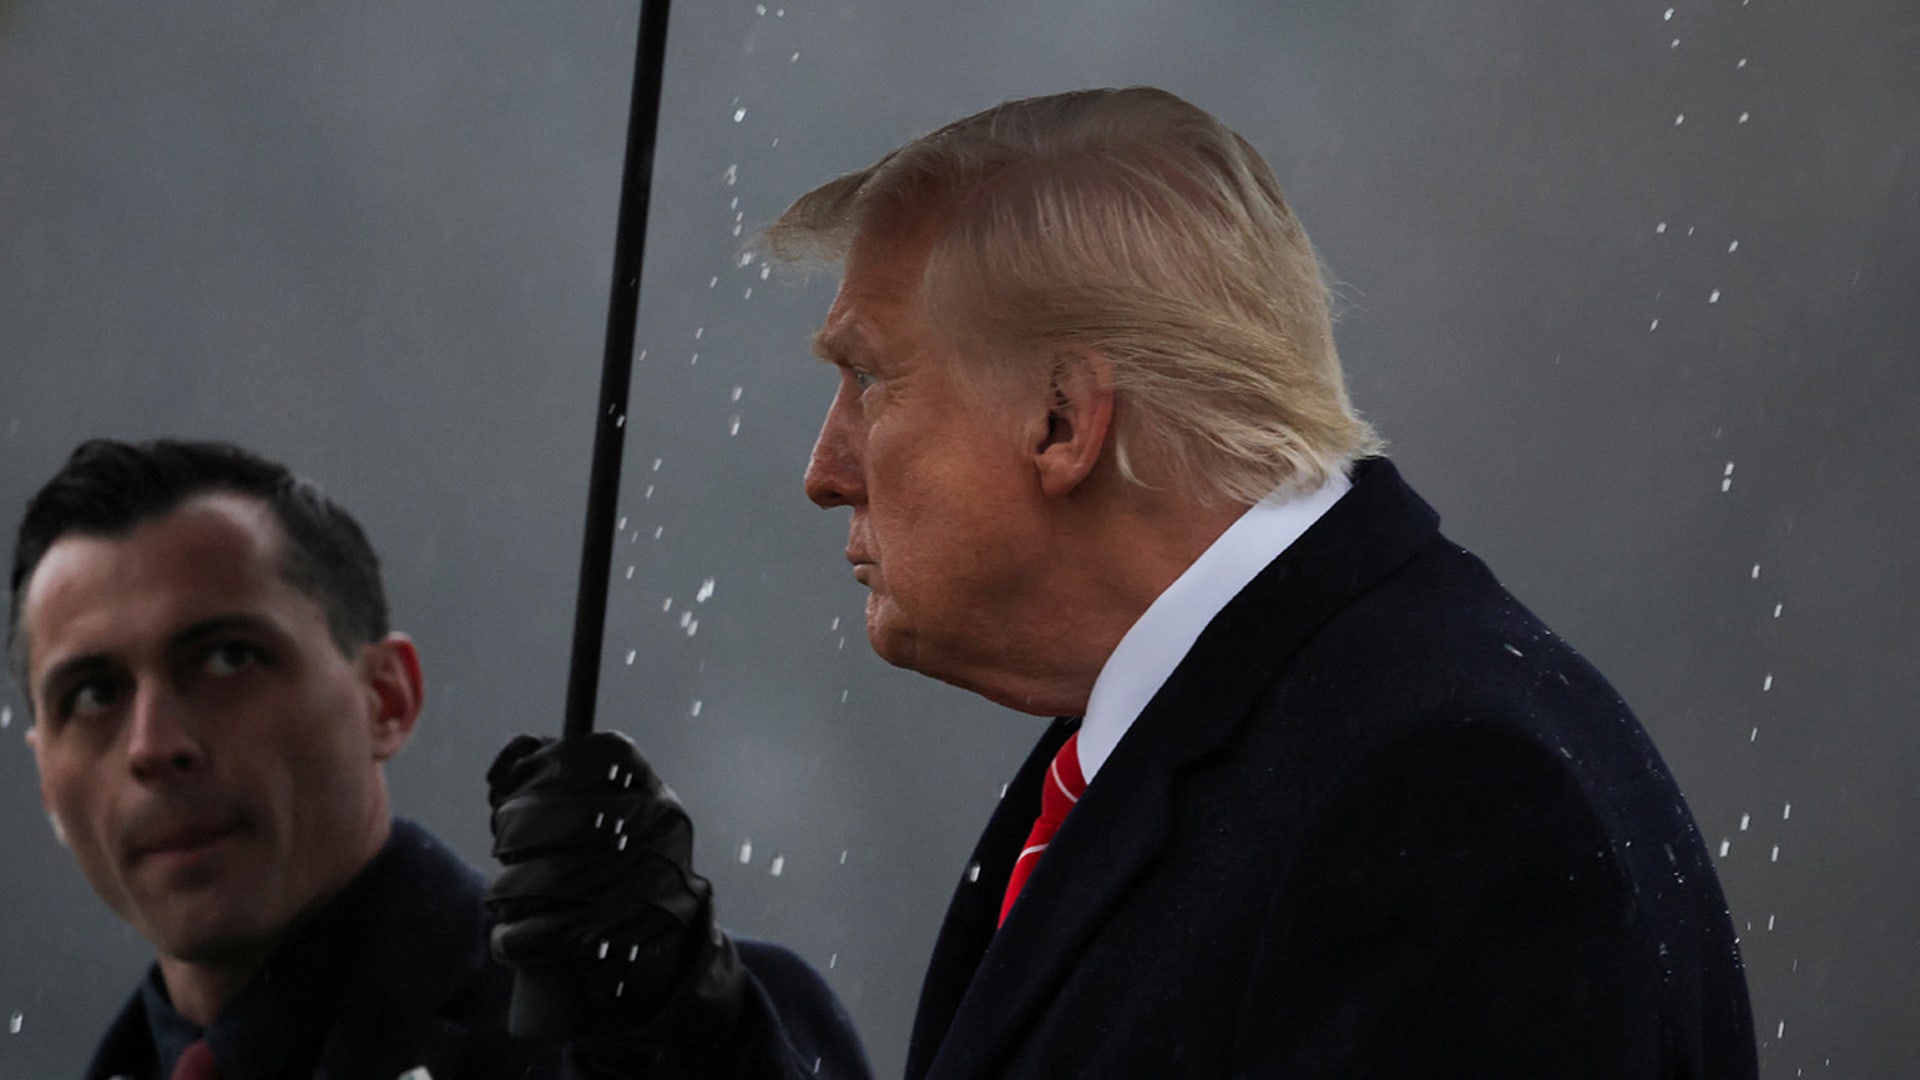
x,y
208,543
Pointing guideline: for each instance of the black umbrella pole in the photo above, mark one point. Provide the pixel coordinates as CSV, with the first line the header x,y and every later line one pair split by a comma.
x,y
616,369
545,1001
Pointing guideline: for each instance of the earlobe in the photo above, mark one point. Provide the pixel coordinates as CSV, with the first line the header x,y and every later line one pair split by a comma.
x,y
393,679
1079,418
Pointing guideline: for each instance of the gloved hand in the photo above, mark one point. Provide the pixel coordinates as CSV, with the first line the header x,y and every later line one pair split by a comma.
x,y
598,904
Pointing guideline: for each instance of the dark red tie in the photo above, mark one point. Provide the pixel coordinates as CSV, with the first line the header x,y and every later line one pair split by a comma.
x,y
1062,788
196,1063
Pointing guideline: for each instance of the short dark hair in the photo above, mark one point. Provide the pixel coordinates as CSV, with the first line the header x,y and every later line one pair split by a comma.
x,y
108,487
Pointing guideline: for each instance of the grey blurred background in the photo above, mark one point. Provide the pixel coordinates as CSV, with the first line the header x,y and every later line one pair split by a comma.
x,y
1630,289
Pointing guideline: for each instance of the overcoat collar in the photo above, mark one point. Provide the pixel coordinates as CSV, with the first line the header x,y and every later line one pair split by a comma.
x,y
983,988
411,935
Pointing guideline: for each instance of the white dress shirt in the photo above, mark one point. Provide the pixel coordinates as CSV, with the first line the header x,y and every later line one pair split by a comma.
x,y
1162,636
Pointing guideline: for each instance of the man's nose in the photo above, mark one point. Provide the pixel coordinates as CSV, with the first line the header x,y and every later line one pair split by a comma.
x,y
835,475
162,738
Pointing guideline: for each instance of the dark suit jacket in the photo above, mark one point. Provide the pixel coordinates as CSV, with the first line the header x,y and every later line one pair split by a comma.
x,y
1380,822
394,973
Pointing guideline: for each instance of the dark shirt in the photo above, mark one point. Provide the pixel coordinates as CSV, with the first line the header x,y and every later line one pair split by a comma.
x,y
390,974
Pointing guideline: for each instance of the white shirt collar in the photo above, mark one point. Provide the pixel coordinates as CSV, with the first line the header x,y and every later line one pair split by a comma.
x,y
1162,636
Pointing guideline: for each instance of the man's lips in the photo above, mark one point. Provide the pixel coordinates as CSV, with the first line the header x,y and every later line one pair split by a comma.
x,y
183,838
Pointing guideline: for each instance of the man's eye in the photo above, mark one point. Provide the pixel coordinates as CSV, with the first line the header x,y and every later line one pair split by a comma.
x,y
230,658
89,698
861,379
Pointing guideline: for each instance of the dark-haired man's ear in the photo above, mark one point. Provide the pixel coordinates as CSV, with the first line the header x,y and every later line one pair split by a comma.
x,y
391,670
1078,419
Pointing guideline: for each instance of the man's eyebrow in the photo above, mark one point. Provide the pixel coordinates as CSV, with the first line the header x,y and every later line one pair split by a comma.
x,y
199,633
839,344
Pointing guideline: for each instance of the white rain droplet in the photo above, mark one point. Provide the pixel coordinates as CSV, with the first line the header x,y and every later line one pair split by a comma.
x,y
1742,63
658,530
1744,117
693,627
629,573
1689,230
1512,650
1725,844
603,950
1729,468
13,1024
1669,15
706,592
1756,571
599,819
732,175
633,954
1781,1031
739,114
1777,609
795,58
733,426
748,295
835,624
777,866
1679,119
844,693
973,872
1713,297
1660,228
1733,247
746,851
746,258
6,717
695,711
1745,820
1775,857
713,282
1770,919
833,961
647,494
1766,684
1726,485
686,616
613,772
1786,812
843,856
632,654
1652,326
759,9
622,526
1754,735
737,391
656,464
766,271
666,604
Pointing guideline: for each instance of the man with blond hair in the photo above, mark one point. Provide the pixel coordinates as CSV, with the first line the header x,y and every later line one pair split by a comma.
x,y
1325,800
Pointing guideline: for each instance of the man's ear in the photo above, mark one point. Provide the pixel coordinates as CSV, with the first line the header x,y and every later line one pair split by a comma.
x,y
391,670
34,736
1079,417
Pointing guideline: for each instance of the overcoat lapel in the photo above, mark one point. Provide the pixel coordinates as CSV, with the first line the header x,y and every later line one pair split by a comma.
x,y
1124,821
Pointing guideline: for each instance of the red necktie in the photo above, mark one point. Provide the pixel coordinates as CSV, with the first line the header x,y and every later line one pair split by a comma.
x,y
1062,788
196,1063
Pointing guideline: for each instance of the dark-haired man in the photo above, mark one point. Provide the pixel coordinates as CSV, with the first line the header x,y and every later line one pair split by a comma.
x,y
204,644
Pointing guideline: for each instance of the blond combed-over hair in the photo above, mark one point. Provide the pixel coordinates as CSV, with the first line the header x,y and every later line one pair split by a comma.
x,y
1134,225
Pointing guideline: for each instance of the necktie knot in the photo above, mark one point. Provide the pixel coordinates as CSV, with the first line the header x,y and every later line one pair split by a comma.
x,y
1059,791
196,1063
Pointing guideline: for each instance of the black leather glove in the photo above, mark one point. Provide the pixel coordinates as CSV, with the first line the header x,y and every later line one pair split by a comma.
x,y
599,908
